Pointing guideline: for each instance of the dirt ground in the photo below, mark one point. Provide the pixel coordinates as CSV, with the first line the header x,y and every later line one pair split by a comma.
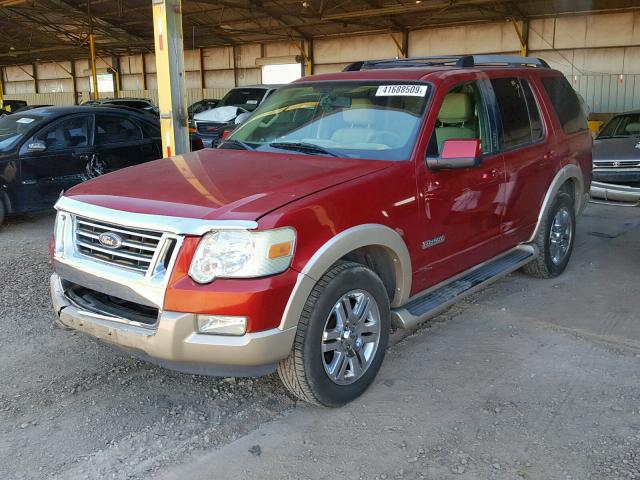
x,y
529,378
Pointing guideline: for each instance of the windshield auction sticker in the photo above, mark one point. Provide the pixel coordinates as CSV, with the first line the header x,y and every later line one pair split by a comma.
x,y
401,91
25,120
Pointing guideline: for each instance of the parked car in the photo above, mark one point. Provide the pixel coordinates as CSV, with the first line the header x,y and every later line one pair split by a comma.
x,y
137,103
348,204
232,110
30,107
201,106
616,161
47,150
12,105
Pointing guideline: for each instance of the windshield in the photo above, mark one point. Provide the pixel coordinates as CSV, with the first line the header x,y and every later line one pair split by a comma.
x,y
627,125
201,106
348,119
247,98
14,127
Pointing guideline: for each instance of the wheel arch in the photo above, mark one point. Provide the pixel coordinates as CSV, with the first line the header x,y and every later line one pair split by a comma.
x,y
569,176
352,244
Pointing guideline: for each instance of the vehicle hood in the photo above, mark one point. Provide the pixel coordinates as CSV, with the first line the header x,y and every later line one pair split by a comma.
x,y
617,149
220,184
218,114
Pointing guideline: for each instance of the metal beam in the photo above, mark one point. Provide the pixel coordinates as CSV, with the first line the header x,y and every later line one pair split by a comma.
x,y
167,26
1,86
34,69
94,71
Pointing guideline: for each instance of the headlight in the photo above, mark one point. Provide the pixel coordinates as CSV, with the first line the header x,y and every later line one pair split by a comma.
x,y
242,254
58,233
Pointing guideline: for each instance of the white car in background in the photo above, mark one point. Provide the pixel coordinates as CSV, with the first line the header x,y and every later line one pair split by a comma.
x,y
233,109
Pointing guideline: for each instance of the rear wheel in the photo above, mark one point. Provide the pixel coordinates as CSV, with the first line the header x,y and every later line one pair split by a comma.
x,y
555,239
341,339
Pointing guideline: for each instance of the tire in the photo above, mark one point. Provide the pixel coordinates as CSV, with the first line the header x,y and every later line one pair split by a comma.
x,y
549,264
306,372
3,212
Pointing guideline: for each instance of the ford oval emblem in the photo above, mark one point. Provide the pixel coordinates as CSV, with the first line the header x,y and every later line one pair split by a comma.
x,y
110,240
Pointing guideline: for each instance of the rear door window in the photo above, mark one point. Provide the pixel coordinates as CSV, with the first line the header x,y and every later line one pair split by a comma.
x,y
113,129
566,104
519,112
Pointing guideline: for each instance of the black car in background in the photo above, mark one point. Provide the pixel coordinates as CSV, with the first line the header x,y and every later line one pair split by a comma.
x,y
12,105
30,107
47,150
143,104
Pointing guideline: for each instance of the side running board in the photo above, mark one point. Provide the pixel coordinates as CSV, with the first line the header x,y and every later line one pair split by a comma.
x,y
438,298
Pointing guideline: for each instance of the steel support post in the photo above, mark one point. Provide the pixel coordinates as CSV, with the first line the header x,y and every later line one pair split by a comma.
x,y
167,26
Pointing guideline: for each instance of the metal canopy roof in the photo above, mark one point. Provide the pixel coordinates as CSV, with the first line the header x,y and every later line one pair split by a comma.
x,y
41,30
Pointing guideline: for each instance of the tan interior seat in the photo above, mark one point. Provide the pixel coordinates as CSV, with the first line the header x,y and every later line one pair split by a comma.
x,y
633,128
455,118
359,118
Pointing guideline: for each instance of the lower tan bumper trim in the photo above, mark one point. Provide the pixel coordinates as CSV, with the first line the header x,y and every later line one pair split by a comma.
x,y
175,343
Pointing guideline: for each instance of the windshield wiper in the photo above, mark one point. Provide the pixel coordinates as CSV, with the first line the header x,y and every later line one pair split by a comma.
x,y
237,143
304,147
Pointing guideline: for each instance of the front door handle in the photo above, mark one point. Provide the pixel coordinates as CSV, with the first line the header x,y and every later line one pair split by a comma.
x,y
490,174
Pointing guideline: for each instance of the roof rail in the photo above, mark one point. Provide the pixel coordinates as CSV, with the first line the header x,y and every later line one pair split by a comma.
x,y
459,61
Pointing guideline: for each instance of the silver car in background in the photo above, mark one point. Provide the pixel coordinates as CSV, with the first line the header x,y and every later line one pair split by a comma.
x,y
616,161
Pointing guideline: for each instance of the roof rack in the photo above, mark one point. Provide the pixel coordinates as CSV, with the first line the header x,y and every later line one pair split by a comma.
x,y
459,61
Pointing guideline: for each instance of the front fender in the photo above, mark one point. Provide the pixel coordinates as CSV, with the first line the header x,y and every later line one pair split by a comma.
x,y
339,246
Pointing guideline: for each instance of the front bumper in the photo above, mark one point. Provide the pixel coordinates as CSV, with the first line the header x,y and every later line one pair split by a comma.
x,y
616,176
613,194
174,341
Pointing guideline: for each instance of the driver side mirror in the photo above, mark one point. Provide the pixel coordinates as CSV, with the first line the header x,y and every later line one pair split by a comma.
x,y
36,147
457,153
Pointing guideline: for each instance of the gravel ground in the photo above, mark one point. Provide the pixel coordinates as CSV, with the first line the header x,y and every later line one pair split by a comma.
x,y
71,407
528,379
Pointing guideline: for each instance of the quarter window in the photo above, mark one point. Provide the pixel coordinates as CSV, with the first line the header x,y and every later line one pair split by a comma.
x,y
566,104
519,112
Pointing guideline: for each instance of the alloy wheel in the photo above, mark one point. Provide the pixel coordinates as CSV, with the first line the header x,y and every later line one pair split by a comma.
x,y
350,337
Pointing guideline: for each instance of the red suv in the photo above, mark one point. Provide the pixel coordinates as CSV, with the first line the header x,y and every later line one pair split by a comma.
x,y
347,205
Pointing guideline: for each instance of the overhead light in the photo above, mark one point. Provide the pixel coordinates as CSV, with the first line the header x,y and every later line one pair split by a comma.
x,y
418,1
12,48
305,4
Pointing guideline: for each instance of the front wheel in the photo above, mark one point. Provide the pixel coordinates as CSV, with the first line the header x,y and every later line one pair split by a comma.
x,y
2,212
341,339
555,239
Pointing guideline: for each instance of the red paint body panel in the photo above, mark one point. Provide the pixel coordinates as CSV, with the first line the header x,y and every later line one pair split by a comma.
x,y
219,184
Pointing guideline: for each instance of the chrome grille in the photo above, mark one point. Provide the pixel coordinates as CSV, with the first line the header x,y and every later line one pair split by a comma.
x,y
136,251
616,163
